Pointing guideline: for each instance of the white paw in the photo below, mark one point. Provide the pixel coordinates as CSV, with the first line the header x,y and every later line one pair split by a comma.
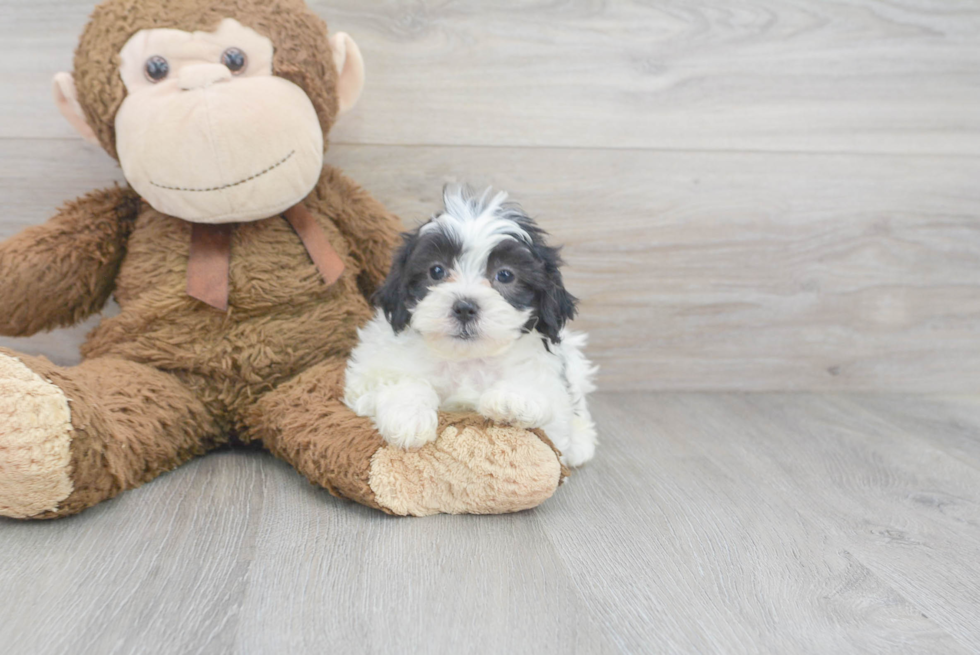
x,y
581,446
518,409
578,453
35,440
406,415
410,429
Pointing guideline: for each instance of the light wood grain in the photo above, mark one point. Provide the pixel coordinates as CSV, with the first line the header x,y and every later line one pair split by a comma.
x,y
948,423
708,523
163,569
724,269
765,195
752,271
731,545
909,511
356,582
858,76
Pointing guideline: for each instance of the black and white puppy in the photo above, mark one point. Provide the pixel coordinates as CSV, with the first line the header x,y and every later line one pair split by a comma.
x,y
472,317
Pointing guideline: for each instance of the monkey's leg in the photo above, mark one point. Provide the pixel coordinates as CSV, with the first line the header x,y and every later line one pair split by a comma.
x,y
472,468
73,437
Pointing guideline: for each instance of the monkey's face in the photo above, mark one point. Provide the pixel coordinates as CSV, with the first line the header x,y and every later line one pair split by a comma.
x,y
207,133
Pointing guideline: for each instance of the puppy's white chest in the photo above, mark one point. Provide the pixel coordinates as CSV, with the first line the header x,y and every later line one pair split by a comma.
x,y
460,384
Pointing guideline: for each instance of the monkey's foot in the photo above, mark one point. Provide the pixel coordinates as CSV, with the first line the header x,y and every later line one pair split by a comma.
x,y
35,440
472,468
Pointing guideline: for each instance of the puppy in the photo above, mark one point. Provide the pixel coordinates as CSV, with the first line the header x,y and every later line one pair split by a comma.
x,y
472,317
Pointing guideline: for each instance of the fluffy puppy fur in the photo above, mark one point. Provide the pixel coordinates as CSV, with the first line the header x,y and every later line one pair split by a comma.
x,y
472,317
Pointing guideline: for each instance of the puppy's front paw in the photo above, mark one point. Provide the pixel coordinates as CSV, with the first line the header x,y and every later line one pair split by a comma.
x,y
406,415
518,409
409,430
578,453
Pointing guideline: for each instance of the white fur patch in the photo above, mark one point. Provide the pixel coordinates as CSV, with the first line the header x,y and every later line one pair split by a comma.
x,y
498,326
525,385
35,440
406,413
478,224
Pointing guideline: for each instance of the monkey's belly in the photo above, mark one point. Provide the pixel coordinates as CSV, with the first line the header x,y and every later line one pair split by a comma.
x,y
282,317
258,350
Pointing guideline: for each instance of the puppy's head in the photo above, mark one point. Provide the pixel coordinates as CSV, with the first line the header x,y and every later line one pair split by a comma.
x,y
476,277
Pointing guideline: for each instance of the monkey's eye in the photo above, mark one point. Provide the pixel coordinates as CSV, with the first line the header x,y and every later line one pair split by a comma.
x,y
234,59
156,68
504,276
437,272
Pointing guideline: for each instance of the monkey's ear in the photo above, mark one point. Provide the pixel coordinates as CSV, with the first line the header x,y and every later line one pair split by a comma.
x,y
350,70
66,98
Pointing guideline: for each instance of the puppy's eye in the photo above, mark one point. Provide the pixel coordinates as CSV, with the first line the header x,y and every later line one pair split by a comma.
x,y
156,68
234,59
437,272
504,276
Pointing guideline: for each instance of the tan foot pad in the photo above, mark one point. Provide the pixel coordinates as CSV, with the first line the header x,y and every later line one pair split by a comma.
x,y
468,470
35,439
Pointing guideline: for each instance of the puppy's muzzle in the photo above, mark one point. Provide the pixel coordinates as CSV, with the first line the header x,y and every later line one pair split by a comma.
x,y
465,310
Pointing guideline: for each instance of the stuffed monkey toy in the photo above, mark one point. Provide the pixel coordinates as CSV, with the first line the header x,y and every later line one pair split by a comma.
x,y
242,265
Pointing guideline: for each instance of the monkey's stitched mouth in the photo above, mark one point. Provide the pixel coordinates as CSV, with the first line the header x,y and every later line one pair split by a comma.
x,y
233,184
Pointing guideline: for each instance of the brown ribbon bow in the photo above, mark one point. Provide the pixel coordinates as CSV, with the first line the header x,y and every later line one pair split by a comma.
x,y
210,257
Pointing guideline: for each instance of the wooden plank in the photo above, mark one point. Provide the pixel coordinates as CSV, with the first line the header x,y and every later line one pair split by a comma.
x,y
696,271
698,542
708,522
161,569
235,552
858,76
329,576
949,421
906,510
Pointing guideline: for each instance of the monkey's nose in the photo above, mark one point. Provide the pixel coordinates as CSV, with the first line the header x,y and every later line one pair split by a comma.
x,y
201,76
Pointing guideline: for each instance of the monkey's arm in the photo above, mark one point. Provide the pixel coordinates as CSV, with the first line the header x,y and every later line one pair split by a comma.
x,y
58,273
372,230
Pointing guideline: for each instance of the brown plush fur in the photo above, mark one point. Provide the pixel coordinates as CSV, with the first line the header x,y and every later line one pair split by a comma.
x,y
131,423
306,423
84,245
170,378
282,318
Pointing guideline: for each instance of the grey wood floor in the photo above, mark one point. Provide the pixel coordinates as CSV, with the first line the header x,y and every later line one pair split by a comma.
x,y
708,523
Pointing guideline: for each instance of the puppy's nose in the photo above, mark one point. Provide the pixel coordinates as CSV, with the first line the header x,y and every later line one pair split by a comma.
x,y
465,310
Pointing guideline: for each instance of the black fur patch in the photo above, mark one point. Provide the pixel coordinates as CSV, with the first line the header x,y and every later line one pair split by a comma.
x,y
538,283
409,280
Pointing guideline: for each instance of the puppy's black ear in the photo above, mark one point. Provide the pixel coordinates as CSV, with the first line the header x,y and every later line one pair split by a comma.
x,y
555,305
392,297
